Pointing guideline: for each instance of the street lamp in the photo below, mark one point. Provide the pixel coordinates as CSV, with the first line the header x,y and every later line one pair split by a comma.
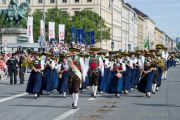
x,y
44,19
101,22
112,22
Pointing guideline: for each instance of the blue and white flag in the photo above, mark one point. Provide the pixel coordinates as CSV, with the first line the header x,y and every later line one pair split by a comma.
x,y
77,36
81,36
92,38
87,37
73,29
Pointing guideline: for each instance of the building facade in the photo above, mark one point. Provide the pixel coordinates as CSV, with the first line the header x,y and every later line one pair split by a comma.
x,y
104,8
141,37
158,36
125,27
132,42
149,30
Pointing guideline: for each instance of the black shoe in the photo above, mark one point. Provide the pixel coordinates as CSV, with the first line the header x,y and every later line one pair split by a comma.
x,y
38,95
153,93
75,107
117,96
92,95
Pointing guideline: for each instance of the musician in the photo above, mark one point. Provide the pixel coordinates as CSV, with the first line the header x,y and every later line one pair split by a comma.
x,y
145,84
63,73
95,67
116,84
103,79
75,74
35,80
127,77
165,56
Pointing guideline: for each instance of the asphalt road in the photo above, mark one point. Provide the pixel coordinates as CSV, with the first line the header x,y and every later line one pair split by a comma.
x,y
15,104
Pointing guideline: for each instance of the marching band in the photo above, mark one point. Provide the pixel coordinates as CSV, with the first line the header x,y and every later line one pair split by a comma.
x,y
114,72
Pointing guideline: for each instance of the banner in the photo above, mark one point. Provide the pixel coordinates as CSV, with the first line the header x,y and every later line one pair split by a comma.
x,y
42,28
92,39
51,30
30,29
81,36
78,36
87,35
73,30
61,32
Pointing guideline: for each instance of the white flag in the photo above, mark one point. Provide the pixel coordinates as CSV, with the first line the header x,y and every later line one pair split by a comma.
x,y
42,28
51,30
61,32
30,30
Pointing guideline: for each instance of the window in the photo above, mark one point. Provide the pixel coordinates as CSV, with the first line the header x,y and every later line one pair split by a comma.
x,y
3,1
39,1
52,1
89,0
76,0
64,1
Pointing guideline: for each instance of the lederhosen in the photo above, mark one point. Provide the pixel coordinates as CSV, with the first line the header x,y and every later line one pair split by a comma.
x,y
94,71
74,81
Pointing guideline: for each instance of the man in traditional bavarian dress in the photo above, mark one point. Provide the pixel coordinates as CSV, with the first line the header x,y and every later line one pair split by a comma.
x,y
95,66
75,74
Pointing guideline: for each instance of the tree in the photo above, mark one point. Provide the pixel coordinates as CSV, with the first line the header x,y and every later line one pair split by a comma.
x,y
91,21
87,20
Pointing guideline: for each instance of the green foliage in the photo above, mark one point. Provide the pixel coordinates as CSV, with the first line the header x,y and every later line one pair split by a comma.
x,y
91,21
87,20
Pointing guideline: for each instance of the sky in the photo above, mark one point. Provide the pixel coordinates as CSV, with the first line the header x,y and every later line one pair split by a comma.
x,y
165,13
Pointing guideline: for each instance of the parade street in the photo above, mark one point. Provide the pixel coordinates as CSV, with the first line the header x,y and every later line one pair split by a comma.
x,y
15,104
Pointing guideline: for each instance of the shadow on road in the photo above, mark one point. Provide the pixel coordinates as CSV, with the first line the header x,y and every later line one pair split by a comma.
x,y
40,106
157,105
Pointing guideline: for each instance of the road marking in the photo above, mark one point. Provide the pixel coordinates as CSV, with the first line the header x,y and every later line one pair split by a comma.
x,y
12,97
90,99
66,114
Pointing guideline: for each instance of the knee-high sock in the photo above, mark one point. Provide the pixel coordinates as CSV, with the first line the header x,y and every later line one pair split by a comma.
x,y
76,96
154,87
95,90
64,94
73,97
165,74
92,88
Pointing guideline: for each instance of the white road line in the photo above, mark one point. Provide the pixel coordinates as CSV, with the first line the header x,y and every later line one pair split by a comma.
x,y
12,97
90,99
66,114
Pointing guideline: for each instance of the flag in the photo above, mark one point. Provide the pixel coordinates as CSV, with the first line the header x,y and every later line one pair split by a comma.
x,y
92,39
77,36
30,29
51,30
42,28
87,35
81,36
73,30
146,44
61,32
